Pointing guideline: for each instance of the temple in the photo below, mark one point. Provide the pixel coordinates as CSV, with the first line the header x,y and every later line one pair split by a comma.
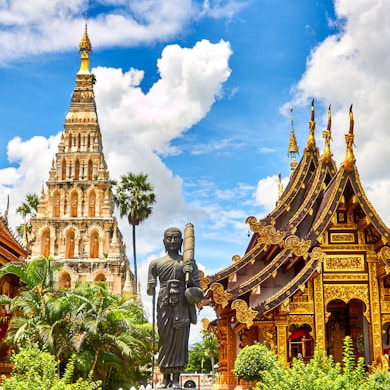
x,y
75,224
11,251
317,268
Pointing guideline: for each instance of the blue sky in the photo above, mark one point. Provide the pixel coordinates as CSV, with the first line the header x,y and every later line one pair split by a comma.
x,y
197,94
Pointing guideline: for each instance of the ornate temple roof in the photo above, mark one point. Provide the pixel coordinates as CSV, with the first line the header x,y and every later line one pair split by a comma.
x,y
285,250
10,248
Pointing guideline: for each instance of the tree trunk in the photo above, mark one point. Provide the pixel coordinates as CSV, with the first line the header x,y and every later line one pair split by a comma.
x,y
135,262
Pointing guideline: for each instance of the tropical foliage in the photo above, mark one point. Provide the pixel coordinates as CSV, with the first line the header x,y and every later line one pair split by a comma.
x,y
108,333
203,355
257,363
134,197
27,210
37,370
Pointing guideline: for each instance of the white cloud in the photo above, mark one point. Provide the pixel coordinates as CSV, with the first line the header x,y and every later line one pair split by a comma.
x,y
33,27
353,67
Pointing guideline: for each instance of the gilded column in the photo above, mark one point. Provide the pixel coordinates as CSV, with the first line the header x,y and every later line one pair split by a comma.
x,y
319,312
376,346
281,327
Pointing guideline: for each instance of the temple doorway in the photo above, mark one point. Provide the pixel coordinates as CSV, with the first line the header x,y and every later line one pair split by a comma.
x,y
347,319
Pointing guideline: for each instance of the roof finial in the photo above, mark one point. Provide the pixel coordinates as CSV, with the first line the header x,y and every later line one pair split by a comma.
x,y
311,141
349,161
85,48
292,146
327,134
280,186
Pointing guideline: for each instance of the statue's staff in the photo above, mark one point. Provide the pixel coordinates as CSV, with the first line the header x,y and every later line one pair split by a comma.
x,y
188,250
153,333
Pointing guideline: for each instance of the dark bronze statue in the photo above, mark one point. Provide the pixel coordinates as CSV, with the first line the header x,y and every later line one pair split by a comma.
x,y
178,293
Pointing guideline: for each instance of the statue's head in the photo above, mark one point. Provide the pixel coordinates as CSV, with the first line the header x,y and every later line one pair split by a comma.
x,y
173,240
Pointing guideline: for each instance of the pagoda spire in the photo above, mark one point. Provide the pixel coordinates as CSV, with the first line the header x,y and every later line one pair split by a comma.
x,y
349,161
292,146
85,48
311,141
327,135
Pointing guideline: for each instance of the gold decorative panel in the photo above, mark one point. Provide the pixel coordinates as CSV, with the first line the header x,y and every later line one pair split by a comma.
x,y
344,263
342,237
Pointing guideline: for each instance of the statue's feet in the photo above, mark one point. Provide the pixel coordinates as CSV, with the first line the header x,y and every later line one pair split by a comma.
x,y
176,386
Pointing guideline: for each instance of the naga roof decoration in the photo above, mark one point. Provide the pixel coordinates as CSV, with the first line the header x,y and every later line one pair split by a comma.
x,y
285,251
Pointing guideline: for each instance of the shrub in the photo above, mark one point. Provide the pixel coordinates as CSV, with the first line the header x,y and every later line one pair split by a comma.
x,y
37,370
253,360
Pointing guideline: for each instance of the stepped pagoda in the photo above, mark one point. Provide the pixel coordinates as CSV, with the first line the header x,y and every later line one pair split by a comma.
x,y
317,268
75,223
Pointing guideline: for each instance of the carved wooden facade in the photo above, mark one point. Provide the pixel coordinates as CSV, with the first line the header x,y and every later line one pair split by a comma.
x,y
75,223
317,268
11,250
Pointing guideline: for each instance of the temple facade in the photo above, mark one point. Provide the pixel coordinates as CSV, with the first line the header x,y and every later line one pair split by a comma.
x,y
317,268
75,224
11,251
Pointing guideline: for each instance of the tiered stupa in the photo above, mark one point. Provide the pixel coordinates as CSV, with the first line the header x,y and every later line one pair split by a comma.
x,y
75,223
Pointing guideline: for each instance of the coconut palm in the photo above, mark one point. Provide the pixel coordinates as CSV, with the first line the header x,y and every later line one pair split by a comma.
x,y
27,210
134,197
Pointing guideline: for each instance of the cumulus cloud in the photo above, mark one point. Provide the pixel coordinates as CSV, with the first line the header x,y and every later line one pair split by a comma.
x,y
353,67
32,28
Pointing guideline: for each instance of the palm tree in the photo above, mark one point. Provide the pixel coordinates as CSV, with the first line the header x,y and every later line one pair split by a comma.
x,y
134,197
107,332
27,210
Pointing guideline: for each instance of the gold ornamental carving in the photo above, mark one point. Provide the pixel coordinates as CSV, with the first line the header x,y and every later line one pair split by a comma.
x,y
344,262
268,330
254,225
268,234
298,247
342,237
204,281
346,292
220,295
384,255
244,314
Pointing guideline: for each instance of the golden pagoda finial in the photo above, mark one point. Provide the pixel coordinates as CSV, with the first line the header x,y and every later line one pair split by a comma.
x,y
311,141
292,146
85,48
280,186
349,161
327,134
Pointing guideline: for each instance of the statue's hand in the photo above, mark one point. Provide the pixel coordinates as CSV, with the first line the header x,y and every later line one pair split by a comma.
x,y
187,268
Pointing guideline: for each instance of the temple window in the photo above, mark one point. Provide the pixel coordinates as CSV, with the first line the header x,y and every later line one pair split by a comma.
x,y
300,342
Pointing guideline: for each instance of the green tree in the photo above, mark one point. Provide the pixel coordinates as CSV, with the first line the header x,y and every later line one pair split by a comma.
x,y
134,197
27,210
37,370
203,355
109,333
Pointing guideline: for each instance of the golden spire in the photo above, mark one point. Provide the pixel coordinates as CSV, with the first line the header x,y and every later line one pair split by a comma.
x,y
349,161
311,141
292,146
280,186
327,134
85,47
